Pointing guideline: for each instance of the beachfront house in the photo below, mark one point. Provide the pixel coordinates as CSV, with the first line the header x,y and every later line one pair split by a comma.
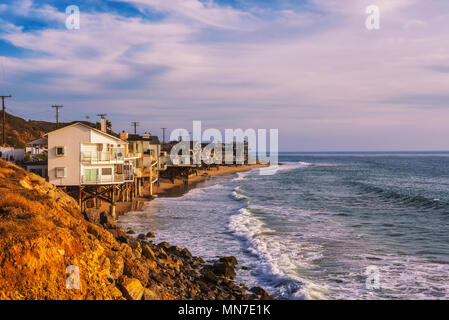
x,y
145,150
80,155
12,154
37,147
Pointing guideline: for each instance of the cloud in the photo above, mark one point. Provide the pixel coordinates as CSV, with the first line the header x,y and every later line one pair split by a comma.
x,y
312,70
206,13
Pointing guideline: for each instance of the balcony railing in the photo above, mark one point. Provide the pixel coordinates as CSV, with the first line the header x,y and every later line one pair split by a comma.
x,y
128,176
103,156
99,179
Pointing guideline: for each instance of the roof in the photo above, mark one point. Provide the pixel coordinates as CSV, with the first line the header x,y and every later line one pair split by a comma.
x,y
38,141
151,139
89,127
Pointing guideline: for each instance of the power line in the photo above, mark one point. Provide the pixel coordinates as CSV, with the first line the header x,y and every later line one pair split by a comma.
x,y
27,116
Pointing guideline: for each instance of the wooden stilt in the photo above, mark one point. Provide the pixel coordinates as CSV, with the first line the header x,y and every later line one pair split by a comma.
x,y
112,206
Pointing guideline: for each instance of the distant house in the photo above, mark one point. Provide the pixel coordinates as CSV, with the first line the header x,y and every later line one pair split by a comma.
x,y
38,146
145,149
79,155
179,159
12,154
38,167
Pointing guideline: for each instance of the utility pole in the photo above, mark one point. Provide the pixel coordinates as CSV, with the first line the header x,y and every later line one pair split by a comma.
x,y
57,114
135,124
4,120
163,134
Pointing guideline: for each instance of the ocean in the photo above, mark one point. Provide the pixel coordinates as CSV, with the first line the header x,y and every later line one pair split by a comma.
x,y
321,225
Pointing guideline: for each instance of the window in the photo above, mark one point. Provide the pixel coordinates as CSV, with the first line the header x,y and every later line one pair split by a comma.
x,y
106,171
90,175
138,163
60,151
119,169
60,173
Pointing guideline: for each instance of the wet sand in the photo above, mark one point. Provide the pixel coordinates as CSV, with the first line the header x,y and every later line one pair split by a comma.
x,y
168,189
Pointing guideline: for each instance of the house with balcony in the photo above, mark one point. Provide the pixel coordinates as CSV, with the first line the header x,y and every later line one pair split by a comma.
x,y
79,155
145,151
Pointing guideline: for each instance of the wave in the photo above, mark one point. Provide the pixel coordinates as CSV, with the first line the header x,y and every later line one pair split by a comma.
x,y
276,264
241,176
418,201
237,194
294,165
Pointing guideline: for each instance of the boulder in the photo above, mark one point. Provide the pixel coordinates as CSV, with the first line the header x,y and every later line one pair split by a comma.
x,y
117,232
151,235
186,253
151,294
137,269
260,293
117,266
224,269
147,252
141,236
231,260
131,288
211,277
164,245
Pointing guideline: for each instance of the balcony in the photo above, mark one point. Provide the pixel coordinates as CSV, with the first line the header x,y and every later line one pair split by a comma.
x,y
115,155
99,179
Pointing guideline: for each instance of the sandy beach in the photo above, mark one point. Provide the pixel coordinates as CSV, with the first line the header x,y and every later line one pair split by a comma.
x,y
168,189
176,189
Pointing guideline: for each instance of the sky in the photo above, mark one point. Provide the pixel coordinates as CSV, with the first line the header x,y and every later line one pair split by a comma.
x,y
309,68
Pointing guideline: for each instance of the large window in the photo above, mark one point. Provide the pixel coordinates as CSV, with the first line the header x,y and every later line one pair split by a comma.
x,y
90,175
106,171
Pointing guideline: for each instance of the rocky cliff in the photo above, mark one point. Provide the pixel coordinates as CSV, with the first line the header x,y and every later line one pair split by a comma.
x,y
49,251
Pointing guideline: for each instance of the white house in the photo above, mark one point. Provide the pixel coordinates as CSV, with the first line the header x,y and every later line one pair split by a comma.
x,y
11,154
38,146
80,155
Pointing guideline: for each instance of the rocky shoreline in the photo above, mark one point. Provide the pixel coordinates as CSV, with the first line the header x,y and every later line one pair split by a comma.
x,y
175,272
43,234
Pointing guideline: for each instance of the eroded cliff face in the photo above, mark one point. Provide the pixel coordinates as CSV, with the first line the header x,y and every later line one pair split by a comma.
x,y
42,233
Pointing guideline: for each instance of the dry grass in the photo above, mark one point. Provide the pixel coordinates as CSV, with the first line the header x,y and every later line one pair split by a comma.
x,y
24,205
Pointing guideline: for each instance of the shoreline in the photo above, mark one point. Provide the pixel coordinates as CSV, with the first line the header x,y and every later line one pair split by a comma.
x,y
43,232
166,189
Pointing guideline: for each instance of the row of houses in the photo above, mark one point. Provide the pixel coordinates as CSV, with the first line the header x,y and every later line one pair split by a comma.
x,y
95,166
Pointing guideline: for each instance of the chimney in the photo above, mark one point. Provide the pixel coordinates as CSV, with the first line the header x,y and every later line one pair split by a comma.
x,y
124,135
103,124
146,135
